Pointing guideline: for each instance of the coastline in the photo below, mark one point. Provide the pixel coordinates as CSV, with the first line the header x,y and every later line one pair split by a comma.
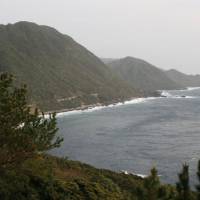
x,y
99,106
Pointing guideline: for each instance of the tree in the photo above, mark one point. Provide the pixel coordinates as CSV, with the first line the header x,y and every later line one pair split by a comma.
x,y
198,176
183,186
152,184
23,134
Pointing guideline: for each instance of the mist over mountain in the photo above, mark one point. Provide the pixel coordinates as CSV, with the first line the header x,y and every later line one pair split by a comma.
x,y
59,72
184,79
141,74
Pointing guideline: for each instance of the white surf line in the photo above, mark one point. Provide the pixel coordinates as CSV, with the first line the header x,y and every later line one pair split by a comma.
x,y
192,88
167,94
132,173
129,102
92,109
135,174
188,89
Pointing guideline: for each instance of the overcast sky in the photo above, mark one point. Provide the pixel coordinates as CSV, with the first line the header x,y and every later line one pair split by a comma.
x,y
163,32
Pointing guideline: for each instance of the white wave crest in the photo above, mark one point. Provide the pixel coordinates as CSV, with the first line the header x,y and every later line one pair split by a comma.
x,y
129,102
166,94
193,88
135,174
140,175
73,112
96,108
182,97
191,97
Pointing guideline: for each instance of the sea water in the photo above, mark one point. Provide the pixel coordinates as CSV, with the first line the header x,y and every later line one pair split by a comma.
x,y
136,135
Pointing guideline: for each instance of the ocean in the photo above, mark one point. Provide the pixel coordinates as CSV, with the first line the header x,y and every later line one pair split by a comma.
x,y
138,135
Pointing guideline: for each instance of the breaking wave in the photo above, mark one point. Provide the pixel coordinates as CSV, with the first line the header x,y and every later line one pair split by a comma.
x,y
92,109
193,88
166,94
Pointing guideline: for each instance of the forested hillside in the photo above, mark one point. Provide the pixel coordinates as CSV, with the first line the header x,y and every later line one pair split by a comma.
x,y
59,72
141,74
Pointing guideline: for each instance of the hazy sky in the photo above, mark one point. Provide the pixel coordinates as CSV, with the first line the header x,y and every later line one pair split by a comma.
x,y
163,32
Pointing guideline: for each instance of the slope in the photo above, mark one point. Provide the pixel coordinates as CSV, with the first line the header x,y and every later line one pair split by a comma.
x,y
184,79
142,75
59,72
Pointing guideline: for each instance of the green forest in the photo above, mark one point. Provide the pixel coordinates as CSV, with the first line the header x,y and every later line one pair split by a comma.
x,y
59,72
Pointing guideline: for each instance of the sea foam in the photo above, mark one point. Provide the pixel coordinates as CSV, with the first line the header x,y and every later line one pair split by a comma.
x,y
96,108
193,88
164,93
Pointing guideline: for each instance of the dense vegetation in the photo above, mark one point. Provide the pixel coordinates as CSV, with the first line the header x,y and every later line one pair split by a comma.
x,y
28,173
59,72
142,75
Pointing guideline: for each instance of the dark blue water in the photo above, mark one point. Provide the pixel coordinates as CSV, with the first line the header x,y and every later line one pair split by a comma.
x,y
161,132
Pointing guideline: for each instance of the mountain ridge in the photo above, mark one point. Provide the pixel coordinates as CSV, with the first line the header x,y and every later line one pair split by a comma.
x,y
180,78
142,75
184,79
59,72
